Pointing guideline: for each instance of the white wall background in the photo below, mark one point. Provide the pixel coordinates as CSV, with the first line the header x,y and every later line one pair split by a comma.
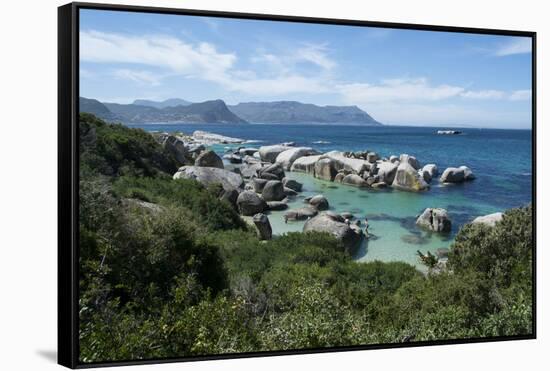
x,y
28,182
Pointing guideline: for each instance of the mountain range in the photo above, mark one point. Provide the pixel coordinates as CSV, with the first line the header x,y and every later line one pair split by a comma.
x,y
216,111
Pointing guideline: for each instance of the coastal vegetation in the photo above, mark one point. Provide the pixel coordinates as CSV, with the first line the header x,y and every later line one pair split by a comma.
x,y
169,268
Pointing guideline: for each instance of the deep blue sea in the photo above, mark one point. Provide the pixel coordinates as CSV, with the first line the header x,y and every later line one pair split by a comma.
x,y
500,159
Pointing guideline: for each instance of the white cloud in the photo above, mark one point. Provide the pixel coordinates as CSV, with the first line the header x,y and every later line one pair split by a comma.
x,y
520,95
483,94
519,45
159,51
398,90
202,61
140,77
315,54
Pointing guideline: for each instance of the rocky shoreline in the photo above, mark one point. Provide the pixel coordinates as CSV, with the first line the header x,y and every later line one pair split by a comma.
x,y
255,181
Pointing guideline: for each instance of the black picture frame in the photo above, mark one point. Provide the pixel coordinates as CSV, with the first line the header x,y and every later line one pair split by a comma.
x,y
68,181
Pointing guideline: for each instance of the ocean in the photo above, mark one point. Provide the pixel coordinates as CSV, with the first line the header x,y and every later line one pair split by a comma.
x,y
500,159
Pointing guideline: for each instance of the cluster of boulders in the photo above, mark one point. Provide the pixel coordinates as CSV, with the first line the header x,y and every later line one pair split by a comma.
x,y
187,148
259,183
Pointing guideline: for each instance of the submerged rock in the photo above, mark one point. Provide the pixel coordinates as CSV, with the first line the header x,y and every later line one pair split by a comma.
x,y
329,223
263,226
211,175
435,219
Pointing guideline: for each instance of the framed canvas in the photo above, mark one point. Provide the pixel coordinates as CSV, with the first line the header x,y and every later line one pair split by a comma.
x,y
241,185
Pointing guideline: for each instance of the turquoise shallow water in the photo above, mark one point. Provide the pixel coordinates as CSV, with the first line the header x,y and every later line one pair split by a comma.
x,y
501,160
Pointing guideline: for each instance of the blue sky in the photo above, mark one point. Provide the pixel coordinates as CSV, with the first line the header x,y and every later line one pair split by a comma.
x,y
402,77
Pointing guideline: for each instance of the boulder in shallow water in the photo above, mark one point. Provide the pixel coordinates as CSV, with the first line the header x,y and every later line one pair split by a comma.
x,y
319,202
386,171
305,164
354,180
277,205
468,174
273,191
293,184
210,175
379,185
326,222
435,219
325,169
431,169
287,158
290,191
263,226
352,165
275,169
270,153
259,184
301,213
209,159
489,220
456,175
408,179
249,203
411,160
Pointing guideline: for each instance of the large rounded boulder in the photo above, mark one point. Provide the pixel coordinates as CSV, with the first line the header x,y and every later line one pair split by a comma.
x,y
325,169
407,177
211,175
302,213
273,190
209,159
319,202
387,171
287,158
263,227
435,220
249,203
305,164
354,180
270,153
456,175
334,225
489,220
